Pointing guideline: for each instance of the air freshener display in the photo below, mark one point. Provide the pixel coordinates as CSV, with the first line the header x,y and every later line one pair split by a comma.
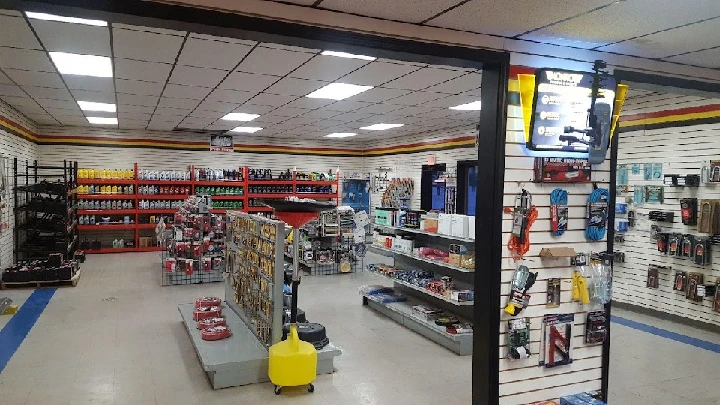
x,y
556,340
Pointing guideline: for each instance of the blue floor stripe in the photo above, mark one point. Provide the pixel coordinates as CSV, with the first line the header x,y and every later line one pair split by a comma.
x,y
702,344
14,332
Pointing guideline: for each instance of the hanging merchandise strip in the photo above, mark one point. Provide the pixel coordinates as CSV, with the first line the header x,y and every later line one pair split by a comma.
x,y
524,216
559,211
597,213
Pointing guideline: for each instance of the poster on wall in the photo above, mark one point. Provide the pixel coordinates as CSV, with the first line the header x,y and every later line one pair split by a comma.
x,y
221,143
562,101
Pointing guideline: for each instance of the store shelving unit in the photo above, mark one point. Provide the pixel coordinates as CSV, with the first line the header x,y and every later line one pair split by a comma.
x,y
45,214
139,218
402,313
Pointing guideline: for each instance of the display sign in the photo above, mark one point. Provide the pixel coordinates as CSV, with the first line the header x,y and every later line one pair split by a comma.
x,y
221,143
562,99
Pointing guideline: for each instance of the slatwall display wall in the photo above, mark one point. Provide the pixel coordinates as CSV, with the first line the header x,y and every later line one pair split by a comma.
x,y
409,165
12,146
169,159
682,150
524,381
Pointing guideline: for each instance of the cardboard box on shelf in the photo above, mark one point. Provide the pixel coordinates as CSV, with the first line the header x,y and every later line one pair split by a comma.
x,y
145,241
459,225
429,225
445,224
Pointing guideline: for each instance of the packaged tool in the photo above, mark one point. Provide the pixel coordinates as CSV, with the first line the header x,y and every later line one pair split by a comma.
x,y
680,281
556,340
523,280
553,293
688,210
518,339
595,327
701,251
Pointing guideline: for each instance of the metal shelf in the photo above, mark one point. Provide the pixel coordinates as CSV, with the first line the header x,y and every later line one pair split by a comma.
x,y
422,259
426,291
419,232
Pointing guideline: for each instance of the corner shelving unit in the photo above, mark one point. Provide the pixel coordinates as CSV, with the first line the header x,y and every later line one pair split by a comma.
x,y
140,226
45,214
402,313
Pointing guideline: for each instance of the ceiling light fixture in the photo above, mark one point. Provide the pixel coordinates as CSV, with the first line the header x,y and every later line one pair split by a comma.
x,y
73,20
474,106
381,127
246,130
338,91
102,120
93,106
347,55
239,117
340,135
82,65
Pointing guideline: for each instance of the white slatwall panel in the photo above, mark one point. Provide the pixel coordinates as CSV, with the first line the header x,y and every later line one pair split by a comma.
x,y
153,158
682,150
410,165
523,381
11,146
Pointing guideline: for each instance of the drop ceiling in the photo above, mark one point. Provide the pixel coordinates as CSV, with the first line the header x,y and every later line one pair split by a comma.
x,y
165,80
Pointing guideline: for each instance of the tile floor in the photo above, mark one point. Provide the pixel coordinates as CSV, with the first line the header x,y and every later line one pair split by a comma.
x,y
116,338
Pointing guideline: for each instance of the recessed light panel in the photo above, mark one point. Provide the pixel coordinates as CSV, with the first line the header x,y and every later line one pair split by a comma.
x,y
72,20
347,55
338,91
102,120
239,117
93,106
82,65
246,130
381,127
474,106
340,135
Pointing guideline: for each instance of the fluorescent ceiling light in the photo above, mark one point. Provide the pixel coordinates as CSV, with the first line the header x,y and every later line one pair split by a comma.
x,y
247,130
73,20
93,106
346,55
102,120
474,106
381,127
340,135
338,91
82,65
239,117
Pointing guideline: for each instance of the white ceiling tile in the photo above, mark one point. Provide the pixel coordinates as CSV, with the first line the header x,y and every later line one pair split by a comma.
x,y
75,121
40,79
135,87
132,124
391,10
73,38
194,76
379,94
379,108
311,103
352,116
326,123
191,92
451,101
145,71
247,82
13,13
195,123
161,126
289,48
271,61
207,114
184,103
48,93
301,120
212,54
346,105
145,46
217,106
11,90
25,59
164,31
104,84
137,99
295,87
414,98
671,42
133,116
322,113
408,111
223,39
96,96
17,33
423,78
707,58
254,109
377,73
289,111
511,18
29,109
603,26
123,108
221,126
462,84
60,109
327,68
17,101
4,79
230,96
43,119
275,100
172,112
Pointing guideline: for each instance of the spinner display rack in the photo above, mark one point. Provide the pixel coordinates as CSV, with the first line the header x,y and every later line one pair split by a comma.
x,y
402,312
226,195
45,214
